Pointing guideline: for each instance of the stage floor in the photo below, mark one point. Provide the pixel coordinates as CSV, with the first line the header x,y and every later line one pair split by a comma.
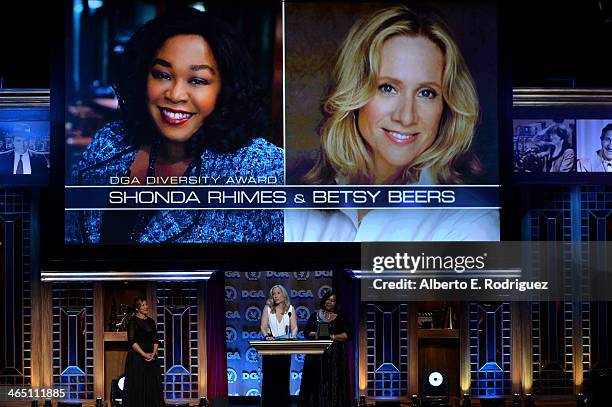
x,y
294,404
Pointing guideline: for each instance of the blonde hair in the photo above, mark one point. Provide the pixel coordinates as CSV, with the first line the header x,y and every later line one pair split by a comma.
x,y
285,304
138,301
344,153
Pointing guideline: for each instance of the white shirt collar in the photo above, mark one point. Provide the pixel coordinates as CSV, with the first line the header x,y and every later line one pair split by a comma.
x,y
425,178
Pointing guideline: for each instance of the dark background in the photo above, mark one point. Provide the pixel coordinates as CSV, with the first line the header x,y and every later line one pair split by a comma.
x,y
541,44
552,43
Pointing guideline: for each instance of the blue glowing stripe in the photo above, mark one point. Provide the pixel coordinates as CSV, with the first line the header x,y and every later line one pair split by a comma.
x,y
490,333
490,367
177,369
122,276
73,371
207,197
387,367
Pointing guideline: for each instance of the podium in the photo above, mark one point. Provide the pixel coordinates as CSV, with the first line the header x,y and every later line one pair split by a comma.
x,y
282,349
290,347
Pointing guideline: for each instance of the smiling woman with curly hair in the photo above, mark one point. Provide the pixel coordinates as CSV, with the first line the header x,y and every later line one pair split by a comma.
x,y
189,108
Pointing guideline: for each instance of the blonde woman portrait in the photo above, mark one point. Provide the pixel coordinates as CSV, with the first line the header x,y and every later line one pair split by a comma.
x,y
402,108
278,321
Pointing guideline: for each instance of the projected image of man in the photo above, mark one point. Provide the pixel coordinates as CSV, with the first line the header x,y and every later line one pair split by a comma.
x,y
600,160
21,160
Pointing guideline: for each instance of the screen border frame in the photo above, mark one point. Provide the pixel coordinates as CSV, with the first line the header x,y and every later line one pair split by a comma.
x,y
160,258
35,102
572,104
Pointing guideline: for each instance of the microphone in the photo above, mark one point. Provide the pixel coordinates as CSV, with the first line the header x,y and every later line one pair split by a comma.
x,y
289,331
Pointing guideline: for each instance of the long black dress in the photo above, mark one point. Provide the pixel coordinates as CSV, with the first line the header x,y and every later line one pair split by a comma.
x,y
327,385
143,381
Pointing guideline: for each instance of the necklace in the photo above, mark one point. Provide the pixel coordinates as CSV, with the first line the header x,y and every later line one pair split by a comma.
x,y
326,316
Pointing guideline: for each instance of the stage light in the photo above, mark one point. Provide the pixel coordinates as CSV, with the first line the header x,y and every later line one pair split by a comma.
x,y
529,400
466,400
203,402
435,390
516,400
362,401
581,400
435,379
199,5
99,402
414,401
117,388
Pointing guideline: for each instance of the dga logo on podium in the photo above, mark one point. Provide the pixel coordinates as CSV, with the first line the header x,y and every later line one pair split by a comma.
x,y
253,393
302,313
252,375
253,275
251,335
232,376
230,334
230,293
295,375
232,275
323,274
252,355
299,357
301,275
252,314
323,290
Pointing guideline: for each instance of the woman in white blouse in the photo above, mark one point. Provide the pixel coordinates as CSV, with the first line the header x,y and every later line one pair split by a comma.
x,y
402,110
278,321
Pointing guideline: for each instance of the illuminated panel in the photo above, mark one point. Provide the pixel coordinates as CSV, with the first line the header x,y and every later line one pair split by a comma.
x,y
552,358
16,298
177,331
562,214
595,214
586,340
72,342
490,343
387,350
550,214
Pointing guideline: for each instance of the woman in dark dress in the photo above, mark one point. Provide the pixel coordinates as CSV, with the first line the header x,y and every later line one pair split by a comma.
x,y
325,380
143,381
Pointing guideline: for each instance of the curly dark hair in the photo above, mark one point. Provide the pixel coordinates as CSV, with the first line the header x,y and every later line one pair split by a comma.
x,y
326,297
562,133
238,116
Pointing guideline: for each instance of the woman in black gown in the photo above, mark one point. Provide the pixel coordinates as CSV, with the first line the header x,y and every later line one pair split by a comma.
x,y
325,380
143,381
